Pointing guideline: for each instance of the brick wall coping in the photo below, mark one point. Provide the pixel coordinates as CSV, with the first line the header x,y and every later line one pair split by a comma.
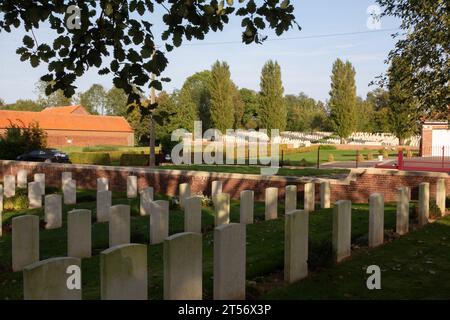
x,y
352,176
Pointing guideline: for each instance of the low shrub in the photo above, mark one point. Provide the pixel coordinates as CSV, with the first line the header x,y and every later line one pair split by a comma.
x,y
435,211
98,158
134,159
370,156
18,202
100,148
328,147
385,154
330,157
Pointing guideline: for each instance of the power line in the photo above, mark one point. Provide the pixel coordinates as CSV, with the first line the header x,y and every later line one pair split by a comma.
x,y
318,36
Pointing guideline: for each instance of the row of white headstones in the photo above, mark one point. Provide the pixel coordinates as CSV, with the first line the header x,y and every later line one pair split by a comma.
x,y
124,265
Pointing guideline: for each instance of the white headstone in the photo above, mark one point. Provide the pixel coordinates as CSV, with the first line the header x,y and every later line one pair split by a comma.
x,y
424,203
342,229
146,196
123,273
102,184
104,202
440,195
70,192
65,177
40,178
53,211
9,188
159,221
376,219
290,203
22,178
185,192
193,215
271,201
222,208
402,225
325,198
296,245
79,233
131,187
119,225
48,280
247,207
183,267
34,195
309,196
216,188
25,241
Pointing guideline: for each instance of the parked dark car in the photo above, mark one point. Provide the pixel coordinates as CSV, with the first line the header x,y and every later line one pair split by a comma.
x,y
45,155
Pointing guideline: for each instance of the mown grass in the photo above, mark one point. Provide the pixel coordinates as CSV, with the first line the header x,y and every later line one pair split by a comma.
x,y
257,170
416,266
265,244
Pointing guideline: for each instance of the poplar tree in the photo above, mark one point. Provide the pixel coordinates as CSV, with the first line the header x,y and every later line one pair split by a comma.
x,y
222,92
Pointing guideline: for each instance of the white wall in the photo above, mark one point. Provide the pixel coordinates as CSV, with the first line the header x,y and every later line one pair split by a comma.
x,y
440,138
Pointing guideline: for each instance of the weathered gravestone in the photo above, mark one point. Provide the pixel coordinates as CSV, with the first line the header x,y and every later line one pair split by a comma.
x,y
342,229
146,196
193,215
40,178
376,219
52,279
159,221
102,184
9,187
290,203
22,178
216,188
402,215
325,197
247,207
53,211
185,192
25,241
132,189
440,195
70,192
34,195
183,267
229,262
271,203
123,272
104,202
222,208
308,191
119,225
79,233
296,245
424,203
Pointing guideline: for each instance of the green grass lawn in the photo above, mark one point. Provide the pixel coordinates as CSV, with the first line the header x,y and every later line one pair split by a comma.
x,y
416,266
339,155
265,245
257,170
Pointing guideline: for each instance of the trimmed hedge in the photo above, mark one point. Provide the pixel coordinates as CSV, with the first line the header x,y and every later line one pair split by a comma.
x,y
99,158
134,159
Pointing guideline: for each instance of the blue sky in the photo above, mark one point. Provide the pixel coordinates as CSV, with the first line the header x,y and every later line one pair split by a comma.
x,y
305,62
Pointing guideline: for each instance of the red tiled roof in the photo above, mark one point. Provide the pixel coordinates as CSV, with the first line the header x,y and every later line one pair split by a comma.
x,y
64,121
66,110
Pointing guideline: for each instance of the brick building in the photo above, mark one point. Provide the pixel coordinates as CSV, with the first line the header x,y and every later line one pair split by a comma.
x,y
73,125
435,139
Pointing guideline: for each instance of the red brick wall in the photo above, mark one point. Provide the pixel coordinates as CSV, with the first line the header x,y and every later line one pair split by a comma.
x,y
58,138
167,181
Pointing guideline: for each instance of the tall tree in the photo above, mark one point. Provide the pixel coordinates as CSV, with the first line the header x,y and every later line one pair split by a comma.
x,y
222,91
342,101
24,105
238,105
379,100
425,43
94,99
195,96
403,112
51,99
272,113
116,102
250,99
